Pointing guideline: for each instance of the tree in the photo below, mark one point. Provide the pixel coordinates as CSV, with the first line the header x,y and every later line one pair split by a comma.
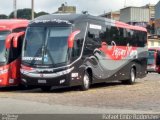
x,y
2,16
26,13
41,13
22,13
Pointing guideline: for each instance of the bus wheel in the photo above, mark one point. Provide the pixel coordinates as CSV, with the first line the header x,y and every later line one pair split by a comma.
x,y
46,88
132,78
86,82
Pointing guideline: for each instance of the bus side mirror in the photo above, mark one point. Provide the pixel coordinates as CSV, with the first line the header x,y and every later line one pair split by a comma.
x,y
16,38
8,40
71,38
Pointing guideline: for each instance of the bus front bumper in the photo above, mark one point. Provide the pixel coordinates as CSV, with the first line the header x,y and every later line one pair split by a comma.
x,y
50,79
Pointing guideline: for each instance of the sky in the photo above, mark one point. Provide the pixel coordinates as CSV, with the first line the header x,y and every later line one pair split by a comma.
x,y
94,7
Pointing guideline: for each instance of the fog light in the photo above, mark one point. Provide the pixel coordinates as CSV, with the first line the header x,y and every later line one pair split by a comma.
x,y
0,81
62,81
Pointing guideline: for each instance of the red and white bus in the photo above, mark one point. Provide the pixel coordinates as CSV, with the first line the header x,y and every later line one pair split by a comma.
x,y
11,36
153,60
74,49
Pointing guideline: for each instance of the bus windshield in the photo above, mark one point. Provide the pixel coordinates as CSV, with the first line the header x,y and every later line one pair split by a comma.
x,y
3,35
46,45
151,57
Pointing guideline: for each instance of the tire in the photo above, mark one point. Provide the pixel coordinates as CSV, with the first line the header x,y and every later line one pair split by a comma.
x,y
86,82
46,88
132,78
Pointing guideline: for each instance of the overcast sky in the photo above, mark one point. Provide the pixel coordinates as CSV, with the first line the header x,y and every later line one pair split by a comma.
x,y
94,7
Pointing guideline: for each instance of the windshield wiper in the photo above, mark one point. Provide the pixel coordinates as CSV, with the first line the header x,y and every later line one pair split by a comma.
x,y
40,49
50,56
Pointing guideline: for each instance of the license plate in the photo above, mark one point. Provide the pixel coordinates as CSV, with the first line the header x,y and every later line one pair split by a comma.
x,y
42,81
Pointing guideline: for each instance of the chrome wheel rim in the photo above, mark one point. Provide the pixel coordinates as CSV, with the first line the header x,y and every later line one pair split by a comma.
x,y
132,75
86,81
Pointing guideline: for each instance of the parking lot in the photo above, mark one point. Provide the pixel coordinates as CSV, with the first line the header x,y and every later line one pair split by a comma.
x,y
142,97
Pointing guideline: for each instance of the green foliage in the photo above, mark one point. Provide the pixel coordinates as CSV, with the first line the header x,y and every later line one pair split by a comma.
x,y
2,16
22,13
40,14
26,14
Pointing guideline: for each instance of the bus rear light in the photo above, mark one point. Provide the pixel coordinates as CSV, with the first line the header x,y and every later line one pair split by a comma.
x,y
71,38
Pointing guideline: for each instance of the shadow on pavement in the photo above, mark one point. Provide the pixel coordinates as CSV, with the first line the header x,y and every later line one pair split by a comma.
x,y
60,89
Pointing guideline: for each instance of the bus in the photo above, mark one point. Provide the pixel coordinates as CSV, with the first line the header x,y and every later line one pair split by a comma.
x,y
80,50
11,36
153,64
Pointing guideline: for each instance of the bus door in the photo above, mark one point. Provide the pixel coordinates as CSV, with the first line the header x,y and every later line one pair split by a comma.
x,y
14,58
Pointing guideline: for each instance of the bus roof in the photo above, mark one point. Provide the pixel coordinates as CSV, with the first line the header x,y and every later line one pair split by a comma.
x,y
10,24
71,18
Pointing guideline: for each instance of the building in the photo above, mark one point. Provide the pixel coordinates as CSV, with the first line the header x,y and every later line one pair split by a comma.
x,y
157,18
135,16
151,8
154,42
151,24
66,9
112,15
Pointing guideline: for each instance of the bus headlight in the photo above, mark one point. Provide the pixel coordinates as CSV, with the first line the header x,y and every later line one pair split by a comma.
x,y
64,72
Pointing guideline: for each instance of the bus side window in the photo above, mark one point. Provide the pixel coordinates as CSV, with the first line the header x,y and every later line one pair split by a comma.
x,y
15,52
93,40
118,35
78,40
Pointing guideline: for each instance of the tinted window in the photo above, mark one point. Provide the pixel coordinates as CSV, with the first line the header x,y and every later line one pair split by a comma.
x,y
93,39
151,58
78,40
19,29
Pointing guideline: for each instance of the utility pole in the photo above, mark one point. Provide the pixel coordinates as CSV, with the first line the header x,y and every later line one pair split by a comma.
x,y
15,8
32,4
124,3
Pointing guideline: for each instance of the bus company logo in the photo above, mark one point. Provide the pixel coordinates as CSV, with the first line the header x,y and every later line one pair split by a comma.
x,y
119,52
45,70
32,58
